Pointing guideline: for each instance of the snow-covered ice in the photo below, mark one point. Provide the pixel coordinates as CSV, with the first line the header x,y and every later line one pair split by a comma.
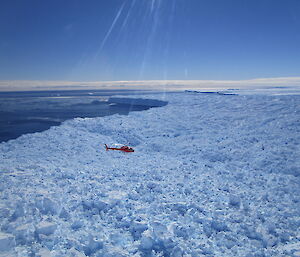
x,y
211,175
7,242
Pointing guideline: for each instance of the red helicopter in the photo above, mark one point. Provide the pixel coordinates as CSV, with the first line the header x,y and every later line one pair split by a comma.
x,y
123,148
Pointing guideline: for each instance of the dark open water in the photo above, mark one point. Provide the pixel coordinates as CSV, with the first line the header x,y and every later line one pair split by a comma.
x,y
29,112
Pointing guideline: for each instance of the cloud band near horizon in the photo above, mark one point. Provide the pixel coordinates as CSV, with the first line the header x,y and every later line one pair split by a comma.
x,y
168,85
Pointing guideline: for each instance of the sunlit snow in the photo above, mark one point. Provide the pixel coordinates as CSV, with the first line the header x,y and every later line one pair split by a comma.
x,y
211,175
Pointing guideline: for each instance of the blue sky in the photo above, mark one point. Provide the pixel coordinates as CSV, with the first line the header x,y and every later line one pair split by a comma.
x,y
149,39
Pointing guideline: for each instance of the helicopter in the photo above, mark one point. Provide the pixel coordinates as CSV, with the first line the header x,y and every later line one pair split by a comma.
x,y
123,148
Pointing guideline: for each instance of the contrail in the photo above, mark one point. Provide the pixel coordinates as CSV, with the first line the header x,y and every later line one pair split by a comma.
x,y
128,14
152,5
154,19
110,29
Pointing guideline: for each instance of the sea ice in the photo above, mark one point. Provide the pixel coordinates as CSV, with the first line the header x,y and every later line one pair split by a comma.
x,y
211,175
46,228
7,242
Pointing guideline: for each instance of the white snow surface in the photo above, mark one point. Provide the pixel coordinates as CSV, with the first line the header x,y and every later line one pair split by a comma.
x,y
211,175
